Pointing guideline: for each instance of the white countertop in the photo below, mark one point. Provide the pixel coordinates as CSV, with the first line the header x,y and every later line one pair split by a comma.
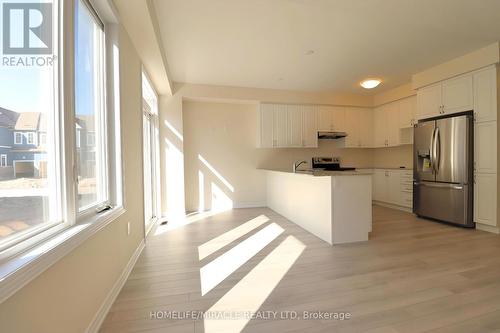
x,y
322,173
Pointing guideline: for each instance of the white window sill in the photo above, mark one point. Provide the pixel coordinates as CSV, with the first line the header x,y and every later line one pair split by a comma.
x,y
20,270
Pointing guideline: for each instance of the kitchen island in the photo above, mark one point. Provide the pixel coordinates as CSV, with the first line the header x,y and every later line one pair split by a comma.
x,y
335,206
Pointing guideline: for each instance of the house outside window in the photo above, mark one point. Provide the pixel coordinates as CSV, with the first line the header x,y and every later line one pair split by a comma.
x,y
18,138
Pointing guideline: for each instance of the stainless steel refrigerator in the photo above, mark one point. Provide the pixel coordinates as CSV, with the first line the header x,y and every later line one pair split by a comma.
x,y
443,169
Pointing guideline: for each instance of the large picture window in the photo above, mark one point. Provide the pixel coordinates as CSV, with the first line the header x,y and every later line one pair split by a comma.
x,y
30,177
59,141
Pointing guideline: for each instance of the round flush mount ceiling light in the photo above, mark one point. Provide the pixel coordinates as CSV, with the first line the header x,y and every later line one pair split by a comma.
x,y
370,83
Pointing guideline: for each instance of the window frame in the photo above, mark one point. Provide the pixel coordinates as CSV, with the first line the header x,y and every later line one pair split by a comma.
x,y
49,238
43,138
102,153
31,138
21,135
150,101
3,157
90,134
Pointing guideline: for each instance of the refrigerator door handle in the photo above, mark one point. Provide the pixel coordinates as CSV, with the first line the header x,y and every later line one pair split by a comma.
x,y
437,149
431,150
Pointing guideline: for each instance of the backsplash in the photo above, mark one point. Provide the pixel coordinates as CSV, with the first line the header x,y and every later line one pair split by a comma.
x,y
393,157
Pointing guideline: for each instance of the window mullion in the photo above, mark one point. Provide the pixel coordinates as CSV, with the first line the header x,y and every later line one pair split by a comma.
x,y
68,145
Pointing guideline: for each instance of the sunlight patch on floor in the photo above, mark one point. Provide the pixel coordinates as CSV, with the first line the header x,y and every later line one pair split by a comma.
x,y
220,268
219,242
184,221
251,291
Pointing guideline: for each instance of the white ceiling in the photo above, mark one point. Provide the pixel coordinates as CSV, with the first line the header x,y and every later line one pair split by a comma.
x,y
263,43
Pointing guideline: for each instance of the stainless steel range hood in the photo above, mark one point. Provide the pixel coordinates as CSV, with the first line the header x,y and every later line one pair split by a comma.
x,y
331,135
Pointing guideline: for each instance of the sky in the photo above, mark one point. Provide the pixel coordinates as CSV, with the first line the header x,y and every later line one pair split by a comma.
x,y
31,89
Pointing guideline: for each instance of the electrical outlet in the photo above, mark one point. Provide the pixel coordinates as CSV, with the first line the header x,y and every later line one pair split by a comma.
x,y
128,228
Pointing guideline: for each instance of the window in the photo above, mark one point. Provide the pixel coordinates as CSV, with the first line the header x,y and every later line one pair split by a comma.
x,y
31,197
18,138
89,97
151,152
90,139
43,138
30,137
43,193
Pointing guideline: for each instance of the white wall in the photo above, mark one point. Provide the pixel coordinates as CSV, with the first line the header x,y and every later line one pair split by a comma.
x,y
172,132
66,296
393,157
225,136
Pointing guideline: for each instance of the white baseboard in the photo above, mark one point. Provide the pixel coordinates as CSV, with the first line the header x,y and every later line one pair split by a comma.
x,y
113,293
487,228
250,205
388,205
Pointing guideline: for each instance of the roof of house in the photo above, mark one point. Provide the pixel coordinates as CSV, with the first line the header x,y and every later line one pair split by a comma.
x,y
28,121
8,118
86,121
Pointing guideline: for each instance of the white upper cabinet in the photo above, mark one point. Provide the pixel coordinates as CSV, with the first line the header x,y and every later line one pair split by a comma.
x,y
309,126
283,126
386,125
352,127
280,126
407,112
339,118
331,118
366,128
429,101
473,91
457,94
379,126
325,118
358,125
392,129
485,94
359,128
294,126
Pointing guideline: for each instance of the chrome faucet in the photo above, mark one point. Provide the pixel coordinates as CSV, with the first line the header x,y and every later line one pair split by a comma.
x,y
297,164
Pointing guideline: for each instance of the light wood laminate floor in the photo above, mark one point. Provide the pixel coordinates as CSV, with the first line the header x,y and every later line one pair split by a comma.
x,y
412,275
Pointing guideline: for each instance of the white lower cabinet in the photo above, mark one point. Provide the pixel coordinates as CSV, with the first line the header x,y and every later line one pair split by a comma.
x,y
393,186
485,199
380,185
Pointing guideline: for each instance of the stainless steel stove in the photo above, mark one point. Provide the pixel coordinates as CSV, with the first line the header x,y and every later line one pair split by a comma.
x,y
329,164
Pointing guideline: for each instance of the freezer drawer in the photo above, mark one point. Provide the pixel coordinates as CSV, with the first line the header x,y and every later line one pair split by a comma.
x,y
446,202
